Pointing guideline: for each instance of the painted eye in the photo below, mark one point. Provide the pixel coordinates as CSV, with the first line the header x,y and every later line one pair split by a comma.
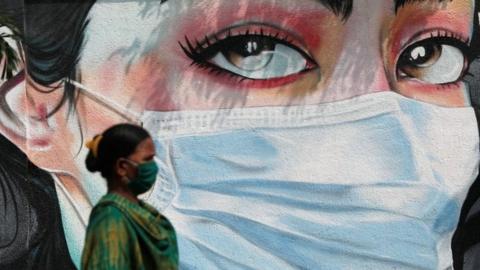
x,y
256,57
434,61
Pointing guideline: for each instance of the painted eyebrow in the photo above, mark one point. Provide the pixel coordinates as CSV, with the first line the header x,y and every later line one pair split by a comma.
x,y
339,7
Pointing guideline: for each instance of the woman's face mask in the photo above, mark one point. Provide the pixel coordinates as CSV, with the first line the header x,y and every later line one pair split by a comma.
x,y
146,174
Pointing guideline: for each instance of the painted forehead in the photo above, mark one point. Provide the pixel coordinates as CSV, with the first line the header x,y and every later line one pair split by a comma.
x,y
344,7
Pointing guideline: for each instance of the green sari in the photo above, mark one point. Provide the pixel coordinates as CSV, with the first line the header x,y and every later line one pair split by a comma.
x,y
124,235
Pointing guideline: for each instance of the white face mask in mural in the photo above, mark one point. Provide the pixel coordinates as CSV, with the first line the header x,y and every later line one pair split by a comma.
x,y
374,182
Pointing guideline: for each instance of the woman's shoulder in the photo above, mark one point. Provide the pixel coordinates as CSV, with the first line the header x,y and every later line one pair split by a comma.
x,y
106,212
111,209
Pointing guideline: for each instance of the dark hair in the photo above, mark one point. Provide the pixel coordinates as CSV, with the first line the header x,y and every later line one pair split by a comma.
x,y
54,33
118,141
31,230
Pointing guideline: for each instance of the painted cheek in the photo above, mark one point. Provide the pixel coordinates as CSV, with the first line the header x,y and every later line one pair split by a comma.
x,y
149,79
158,96
130,85
110,74
109,82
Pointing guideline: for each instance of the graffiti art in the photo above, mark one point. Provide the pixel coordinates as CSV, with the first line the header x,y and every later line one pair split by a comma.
x,y
306,134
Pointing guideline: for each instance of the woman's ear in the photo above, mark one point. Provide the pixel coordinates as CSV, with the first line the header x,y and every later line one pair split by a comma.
x,y
121,167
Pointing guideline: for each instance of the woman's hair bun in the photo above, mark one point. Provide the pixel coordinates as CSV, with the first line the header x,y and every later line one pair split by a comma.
x,y
92,162
118,141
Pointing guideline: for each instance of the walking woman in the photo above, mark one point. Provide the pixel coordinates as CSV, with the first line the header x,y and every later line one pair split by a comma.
x,y
123,231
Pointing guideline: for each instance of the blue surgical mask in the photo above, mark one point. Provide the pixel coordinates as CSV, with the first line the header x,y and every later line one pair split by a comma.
x,y
374,182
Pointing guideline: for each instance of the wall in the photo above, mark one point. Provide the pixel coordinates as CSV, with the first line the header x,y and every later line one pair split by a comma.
x,y
290,134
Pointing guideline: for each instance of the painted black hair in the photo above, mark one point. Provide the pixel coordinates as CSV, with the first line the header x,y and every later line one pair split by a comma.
x,y
54,35
118,141
31,230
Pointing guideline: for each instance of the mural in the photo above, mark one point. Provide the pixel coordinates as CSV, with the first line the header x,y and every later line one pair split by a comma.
x,y
307,134
31,232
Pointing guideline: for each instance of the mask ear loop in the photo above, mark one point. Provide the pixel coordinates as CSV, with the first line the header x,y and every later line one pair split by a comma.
x,y
111,105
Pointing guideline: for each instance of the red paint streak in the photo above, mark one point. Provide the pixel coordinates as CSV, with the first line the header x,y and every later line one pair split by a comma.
x,y
42,111
39,142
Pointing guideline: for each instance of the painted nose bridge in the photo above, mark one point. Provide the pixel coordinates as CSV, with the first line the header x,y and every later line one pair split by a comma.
x,y
368,66
360,69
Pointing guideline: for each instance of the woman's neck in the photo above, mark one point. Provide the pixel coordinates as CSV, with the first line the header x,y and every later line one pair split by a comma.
x,y
122,191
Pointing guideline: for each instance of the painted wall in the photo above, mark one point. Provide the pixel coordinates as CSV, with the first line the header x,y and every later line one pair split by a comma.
x,y
290,134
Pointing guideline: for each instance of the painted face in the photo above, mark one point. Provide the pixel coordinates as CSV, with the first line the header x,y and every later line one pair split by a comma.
x,y
209,54
184,55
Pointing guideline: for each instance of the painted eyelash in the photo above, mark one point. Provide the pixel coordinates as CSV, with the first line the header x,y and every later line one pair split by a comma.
x,y
452,38
200,51
199,47
446,33
446,37
200,61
